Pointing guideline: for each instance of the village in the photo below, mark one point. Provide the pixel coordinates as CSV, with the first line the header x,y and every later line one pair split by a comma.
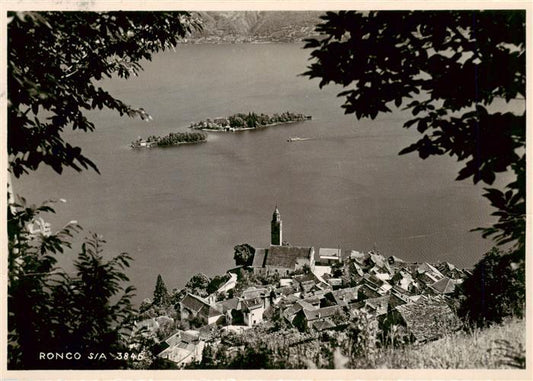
x,y
284,289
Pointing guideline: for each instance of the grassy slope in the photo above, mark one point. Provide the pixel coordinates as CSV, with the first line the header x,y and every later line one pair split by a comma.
x,y
481,349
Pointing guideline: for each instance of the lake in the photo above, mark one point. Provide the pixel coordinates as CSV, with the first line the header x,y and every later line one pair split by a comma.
x,y
181,210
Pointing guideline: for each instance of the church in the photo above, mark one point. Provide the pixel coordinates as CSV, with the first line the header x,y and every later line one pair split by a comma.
x,y
279,258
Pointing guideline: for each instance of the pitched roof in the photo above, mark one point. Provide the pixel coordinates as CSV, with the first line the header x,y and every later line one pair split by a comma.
x,y
286,256
305,277
312,300
345,295
306,305
320,313
428,318
210,311
368,291
428,268
254,292
259,258
228,304
286,290
292,310
380,305
444,286
193,303
322,325
252,304
307,285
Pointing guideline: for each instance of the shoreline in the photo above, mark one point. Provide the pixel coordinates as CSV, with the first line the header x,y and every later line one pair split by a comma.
x,y
231,129
167,145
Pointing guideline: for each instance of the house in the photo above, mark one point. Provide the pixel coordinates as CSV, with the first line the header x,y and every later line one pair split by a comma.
x,y
401,293
313,300
381,286
253,310
427,319
377,306
403,279
193,306
430,271
183,347
322,325
444,286
449,270
329,256
383,304
314,316
227,306
345,296
292,310
253,292
367,291
261,293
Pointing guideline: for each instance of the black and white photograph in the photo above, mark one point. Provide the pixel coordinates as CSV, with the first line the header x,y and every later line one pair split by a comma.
x,y
259,188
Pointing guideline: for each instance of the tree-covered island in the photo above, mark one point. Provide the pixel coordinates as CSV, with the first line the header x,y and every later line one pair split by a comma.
x,y
240,121
172,139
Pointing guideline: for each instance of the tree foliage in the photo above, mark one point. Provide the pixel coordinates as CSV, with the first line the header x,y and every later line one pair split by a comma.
x,y
243,255
51,310
161,296
496,289
198,284
447,68
55,62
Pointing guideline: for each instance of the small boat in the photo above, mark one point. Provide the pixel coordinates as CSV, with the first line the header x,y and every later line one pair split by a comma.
x,y
297,139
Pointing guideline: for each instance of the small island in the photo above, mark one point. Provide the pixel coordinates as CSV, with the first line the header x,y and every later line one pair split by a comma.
x,y
172,139
250,121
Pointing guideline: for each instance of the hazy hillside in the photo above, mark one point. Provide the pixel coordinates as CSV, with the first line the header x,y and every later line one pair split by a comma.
x,y
256,26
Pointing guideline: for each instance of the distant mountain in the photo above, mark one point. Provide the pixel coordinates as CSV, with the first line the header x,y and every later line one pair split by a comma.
x,y
256,26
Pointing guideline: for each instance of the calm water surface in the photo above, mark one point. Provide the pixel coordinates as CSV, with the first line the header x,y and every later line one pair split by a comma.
x,y
179,211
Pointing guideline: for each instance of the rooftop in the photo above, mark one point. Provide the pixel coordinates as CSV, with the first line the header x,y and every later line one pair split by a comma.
x,y
286,256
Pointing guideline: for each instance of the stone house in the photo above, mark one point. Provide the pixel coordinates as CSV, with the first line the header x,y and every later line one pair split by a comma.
x,y
344,296
227,306
427,319
193,306
445,286
314,318
253,310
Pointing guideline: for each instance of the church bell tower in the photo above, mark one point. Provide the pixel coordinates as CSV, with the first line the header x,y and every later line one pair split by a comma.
x,y
275,228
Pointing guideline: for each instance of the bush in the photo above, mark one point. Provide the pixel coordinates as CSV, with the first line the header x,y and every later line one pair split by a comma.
x,y
496,288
